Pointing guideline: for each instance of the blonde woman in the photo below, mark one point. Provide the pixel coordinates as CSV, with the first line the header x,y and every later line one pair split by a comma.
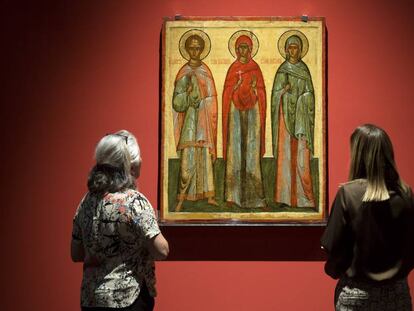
x,y
115,231
369,236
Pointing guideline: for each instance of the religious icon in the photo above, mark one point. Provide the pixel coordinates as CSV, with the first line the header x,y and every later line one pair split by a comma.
x,y
243,131
244,115
293,123
195,120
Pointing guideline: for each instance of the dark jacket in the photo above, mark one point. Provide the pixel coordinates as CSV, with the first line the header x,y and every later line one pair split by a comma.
x,y
369,237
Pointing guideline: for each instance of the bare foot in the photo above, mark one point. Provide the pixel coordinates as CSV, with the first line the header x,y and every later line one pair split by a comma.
x,y
231,204
179,206
211,201
266,208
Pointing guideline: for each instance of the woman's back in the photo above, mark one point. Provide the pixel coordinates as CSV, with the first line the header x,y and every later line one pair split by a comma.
x,y
115,231
114,228
368,237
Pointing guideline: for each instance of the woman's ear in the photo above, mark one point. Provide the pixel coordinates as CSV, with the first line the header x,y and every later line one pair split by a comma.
x,y
136,169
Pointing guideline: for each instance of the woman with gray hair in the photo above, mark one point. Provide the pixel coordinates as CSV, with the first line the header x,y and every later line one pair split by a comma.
x,y
115,231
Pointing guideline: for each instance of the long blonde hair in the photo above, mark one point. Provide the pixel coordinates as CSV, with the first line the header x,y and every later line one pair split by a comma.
x,y
372,158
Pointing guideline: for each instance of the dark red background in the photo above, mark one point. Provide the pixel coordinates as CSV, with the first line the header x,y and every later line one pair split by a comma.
x,y
75,70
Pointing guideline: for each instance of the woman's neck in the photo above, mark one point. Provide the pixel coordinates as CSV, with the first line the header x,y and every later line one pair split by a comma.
x,y
243,60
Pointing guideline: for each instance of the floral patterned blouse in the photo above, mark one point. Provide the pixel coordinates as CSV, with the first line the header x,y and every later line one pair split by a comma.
x,y
114,230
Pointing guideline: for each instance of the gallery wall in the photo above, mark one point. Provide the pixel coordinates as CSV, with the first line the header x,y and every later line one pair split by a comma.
x,y
76,70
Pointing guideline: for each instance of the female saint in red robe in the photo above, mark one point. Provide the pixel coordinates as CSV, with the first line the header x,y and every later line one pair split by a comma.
x,y
244,115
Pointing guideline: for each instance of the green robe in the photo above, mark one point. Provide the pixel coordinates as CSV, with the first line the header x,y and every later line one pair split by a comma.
x,y
293,119
298,104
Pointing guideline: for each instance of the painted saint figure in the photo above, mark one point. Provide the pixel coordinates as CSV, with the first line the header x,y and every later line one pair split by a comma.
x,y
244,115
195,122
293,117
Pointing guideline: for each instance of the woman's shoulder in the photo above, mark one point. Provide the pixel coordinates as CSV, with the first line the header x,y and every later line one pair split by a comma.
x,y
125,195
407,190
138,197
352,191
88,199
128,197
407,195
354,186
134,194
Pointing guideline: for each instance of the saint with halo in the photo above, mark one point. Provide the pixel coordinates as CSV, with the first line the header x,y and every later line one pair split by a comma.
x,y
293,123
244,115
195,120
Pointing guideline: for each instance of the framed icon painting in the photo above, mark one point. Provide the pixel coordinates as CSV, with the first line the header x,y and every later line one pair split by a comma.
x,y
243,127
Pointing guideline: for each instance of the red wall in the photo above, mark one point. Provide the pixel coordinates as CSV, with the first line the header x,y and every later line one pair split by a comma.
x,y
76,70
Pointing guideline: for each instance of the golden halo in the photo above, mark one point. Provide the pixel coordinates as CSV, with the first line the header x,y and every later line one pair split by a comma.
x,y
282,41
236,35
203,35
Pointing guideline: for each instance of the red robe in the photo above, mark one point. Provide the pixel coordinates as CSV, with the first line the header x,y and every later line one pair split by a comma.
x,y
244,97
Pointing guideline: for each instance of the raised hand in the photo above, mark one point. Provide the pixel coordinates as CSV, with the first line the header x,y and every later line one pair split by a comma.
x,y
189,85
239,82
254,82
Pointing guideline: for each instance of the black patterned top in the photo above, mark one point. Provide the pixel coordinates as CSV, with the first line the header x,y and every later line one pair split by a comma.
x,y
114,230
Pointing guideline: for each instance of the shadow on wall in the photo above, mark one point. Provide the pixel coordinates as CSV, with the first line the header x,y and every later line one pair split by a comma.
x,y
244,243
